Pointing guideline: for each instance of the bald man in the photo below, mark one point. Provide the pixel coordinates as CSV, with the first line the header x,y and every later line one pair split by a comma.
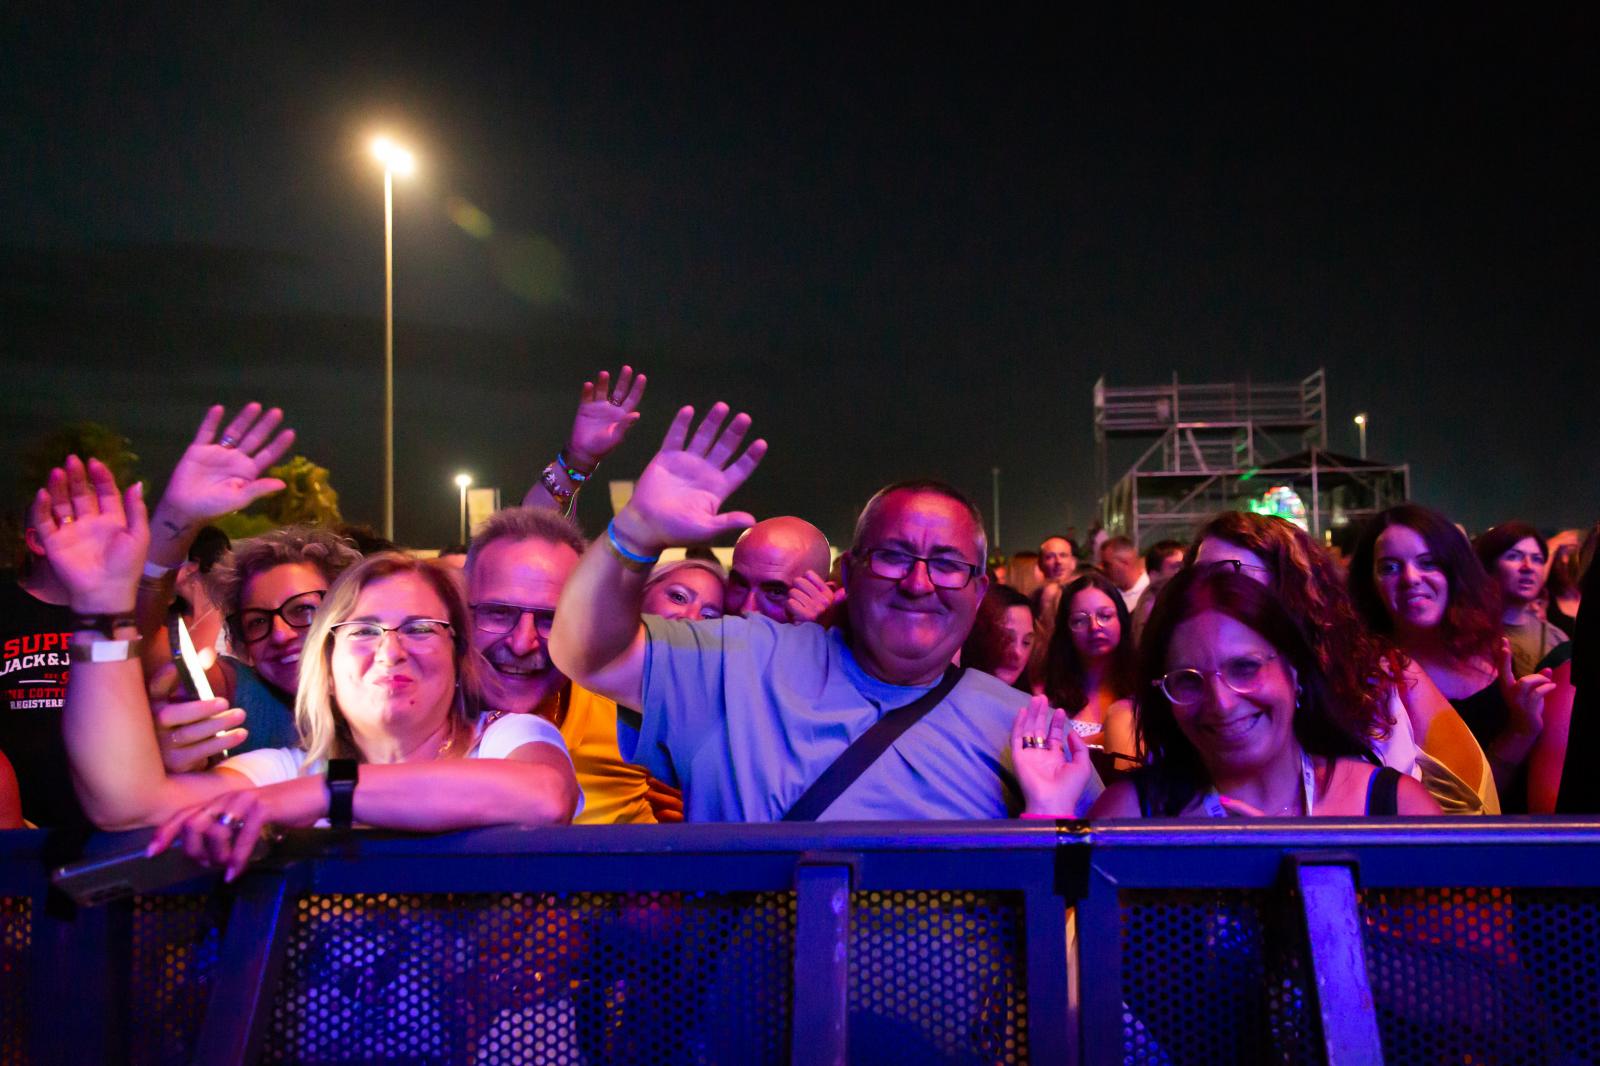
x,y
773,559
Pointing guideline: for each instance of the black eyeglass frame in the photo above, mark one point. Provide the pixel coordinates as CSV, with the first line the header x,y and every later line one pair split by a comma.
x,y
240,620
873,556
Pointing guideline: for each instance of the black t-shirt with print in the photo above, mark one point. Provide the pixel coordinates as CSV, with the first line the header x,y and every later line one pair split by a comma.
x,y
33,690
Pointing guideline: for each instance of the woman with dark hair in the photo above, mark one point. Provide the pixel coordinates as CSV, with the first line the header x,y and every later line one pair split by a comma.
x,y
1362,671
1517,560
1414,578
1090,665
1236,718
1001,641
1409,724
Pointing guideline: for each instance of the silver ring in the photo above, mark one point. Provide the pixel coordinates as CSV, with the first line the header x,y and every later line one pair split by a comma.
x,y
1033,742
228,820
228,441
613,403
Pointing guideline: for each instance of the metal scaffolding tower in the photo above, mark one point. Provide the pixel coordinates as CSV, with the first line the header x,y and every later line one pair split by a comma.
x,y
1200,449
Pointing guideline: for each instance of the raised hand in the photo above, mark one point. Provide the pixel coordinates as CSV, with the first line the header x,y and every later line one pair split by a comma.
x,y
605,414
94,537
1053,776
1524,695
219,474
810,598
679,496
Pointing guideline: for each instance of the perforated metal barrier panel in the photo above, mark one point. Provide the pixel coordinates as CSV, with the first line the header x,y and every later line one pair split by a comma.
x,y
937,976
1213,977
16,941
1485,975
175,944
647,978
526,979
1461,975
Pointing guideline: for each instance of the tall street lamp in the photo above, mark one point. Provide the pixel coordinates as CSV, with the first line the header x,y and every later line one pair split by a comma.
x,y
1361,427
396,161
463,482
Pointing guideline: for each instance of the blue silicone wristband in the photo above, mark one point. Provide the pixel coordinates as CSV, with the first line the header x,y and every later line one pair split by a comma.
x,y
611,535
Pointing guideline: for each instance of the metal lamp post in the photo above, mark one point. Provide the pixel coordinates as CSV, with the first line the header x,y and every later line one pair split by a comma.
x,y
395,160
463,482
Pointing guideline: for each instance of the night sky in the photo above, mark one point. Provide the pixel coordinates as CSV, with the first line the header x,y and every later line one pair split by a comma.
x,y
907,246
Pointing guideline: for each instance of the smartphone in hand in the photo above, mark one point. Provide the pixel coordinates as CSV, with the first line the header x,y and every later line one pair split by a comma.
x,y
192,681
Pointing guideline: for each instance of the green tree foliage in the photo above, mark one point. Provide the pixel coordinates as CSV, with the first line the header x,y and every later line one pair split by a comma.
x,y
308,498
83,439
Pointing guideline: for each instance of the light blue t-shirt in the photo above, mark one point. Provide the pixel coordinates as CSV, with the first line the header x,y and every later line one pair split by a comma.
x,y
743,714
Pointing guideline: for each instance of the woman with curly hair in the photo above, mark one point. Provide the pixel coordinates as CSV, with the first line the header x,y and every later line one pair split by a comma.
x,y
1415,580
1389,700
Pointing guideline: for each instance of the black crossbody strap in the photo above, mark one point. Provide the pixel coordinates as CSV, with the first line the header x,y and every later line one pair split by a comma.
x,y
866,748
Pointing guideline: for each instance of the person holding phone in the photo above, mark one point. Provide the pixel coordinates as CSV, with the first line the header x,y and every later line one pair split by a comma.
x,y
387,713
267,588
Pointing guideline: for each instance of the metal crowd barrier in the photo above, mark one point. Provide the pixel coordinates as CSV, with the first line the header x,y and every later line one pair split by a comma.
x,y
1405,940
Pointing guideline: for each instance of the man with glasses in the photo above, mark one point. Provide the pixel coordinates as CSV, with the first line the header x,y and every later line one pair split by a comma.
x,y
516,567
746,713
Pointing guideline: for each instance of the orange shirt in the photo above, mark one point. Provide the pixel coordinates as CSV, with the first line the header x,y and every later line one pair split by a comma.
x,y
613,790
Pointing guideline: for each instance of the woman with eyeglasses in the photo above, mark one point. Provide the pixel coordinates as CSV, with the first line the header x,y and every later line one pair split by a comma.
x,y
1090,665
385,708
1389,698
269,588
1236,718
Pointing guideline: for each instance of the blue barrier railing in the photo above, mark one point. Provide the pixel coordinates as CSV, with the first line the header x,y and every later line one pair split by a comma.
x,y
1404,940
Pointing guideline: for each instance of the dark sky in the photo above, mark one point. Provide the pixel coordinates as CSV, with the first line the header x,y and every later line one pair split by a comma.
x,y
907,246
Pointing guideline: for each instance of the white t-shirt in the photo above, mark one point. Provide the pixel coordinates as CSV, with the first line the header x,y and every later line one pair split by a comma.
x,y
271,766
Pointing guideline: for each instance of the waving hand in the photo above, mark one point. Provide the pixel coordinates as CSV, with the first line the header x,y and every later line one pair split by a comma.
x,y
679,497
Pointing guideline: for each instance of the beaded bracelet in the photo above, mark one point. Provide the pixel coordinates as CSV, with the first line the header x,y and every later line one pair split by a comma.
x,y
578,477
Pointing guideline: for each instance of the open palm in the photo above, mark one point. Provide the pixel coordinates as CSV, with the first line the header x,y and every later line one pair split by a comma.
x,y
679,497
219,475
94,537
606,412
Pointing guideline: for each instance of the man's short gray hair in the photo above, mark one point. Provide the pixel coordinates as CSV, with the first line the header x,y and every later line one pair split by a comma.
x,y
525,523
932,488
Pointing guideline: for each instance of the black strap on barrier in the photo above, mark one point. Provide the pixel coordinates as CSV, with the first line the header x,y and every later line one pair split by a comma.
x,y
866,748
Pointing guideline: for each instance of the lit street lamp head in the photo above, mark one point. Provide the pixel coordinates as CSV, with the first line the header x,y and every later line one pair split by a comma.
x,y
1361,420
395,159
463,480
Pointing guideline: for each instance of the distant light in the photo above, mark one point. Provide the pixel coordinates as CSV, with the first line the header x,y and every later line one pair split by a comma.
x,y
1361,419
463,480
396,160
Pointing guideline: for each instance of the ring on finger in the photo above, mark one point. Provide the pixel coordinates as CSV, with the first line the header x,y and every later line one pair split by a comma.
x,y
613,402
1033,742
229,820
229,441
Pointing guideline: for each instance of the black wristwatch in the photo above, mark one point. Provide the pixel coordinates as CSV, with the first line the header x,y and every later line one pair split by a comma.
x,y
341,779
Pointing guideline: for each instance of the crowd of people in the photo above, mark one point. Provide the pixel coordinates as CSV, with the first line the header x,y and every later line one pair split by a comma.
x,y
544,677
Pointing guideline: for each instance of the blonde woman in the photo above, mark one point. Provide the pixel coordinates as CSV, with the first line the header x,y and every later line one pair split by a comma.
x,y
384,707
